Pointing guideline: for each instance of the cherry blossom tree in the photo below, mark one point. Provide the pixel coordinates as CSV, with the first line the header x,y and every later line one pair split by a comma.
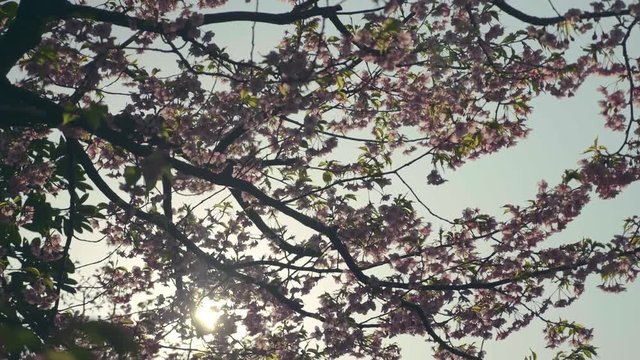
x,y
271,184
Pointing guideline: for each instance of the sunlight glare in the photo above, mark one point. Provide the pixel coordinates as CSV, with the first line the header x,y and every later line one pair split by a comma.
x,y
207,314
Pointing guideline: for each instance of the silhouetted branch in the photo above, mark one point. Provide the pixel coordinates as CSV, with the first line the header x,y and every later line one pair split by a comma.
x,y
543,21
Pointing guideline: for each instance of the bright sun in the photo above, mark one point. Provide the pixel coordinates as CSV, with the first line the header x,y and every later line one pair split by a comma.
x,y
207,314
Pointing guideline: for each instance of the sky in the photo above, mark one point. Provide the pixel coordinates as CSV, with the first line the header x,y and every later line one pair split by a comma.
x,y
561,131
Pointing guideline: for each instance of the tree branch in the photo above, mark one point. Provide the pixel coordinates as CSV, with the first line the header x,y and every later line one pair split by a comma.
x,y
68,228
34,16
270,233
163,223
543,21
88,12
54,116
426,323
26,30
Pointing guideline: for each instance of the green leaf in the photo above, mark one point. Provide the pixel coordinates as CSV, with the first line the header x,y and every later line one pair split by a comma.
x,y
9,234
153,167
350,196
115,335
509,38
570,175
69,266
340,82
131,175
68,288
43,214
95,114
9,10
15,339
31,270
252,101
333,39
68,118
59,355
327,176
248,99
83,186
80,353
391,25
533,356
283,89
83,198
48,282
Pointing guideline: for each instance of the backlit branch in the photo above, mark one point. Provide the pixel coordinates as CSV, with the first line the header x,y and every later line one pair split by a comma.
x,y
163,223
544,21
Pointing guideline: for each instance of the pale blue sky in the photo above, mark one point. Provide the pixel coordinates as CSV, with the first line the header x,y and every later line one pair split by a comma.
x,y
562,129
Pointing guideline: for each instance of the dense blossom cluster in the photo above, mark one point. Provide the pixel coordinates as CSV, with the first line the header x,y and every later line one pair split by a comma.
x,y
272,185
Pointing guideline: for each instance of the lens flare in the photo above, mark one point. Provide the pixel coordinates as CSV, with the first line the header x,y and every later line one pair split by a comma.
x,y
207,314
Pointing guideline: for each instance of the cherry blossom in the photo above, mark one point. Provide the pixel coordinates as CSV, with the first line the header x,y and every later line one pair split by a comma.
x,y
271,182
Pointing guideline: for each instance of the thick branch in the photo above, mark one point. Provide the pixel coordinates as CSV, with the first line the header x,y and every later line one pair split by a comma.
x,y
225,179
88,12
52,115
228,138
426,323
543,21
26,30
270,233
163,223
68,227
21,107
33,17
281,265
